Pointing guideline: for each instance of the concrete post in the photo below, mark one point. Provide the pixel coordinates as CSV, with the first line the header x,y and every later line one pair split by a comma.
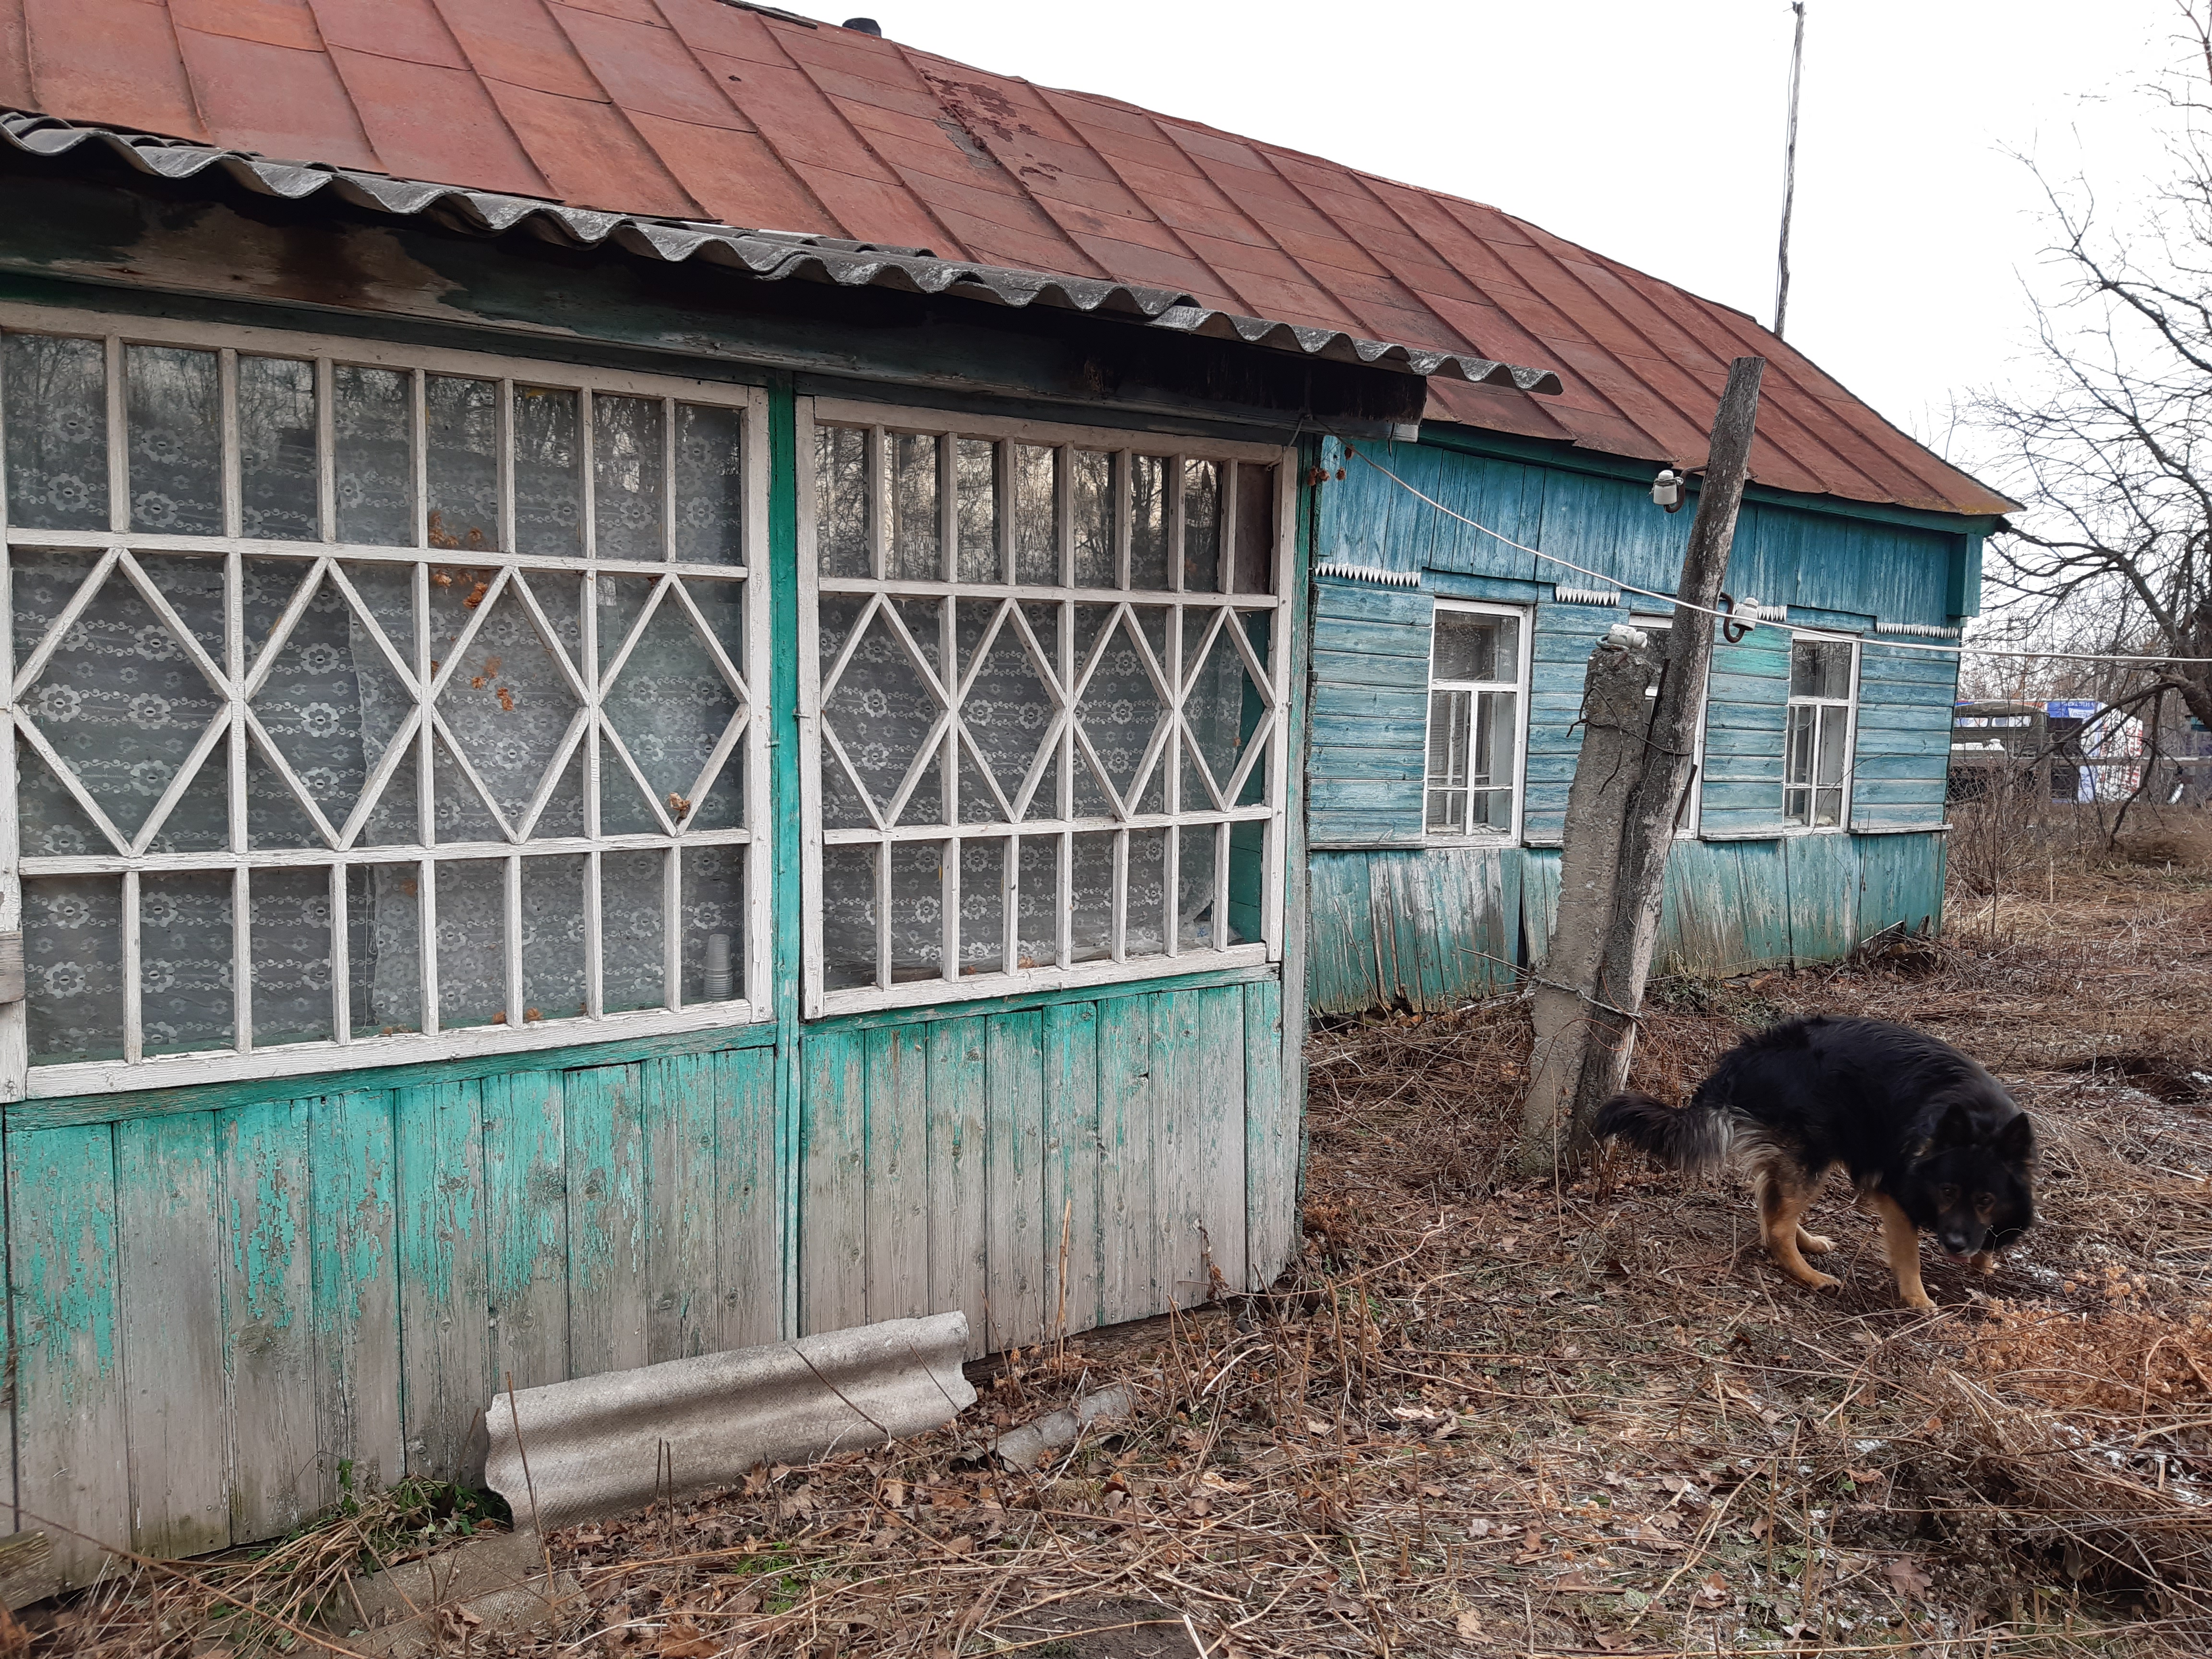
x,y
1615,716
1633,843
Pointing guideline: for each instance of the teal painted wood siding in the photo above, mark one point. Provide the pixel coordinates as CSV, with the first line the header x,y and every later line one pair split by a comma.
x,y
1559,658
1841,561
214,1308
1747,710
1369,724
220,1294
1401,921
1431,931
1902,757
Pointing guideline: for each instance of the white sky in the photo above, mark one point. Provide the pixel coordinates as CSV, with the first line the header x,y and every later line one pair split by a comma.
x,y
1654,135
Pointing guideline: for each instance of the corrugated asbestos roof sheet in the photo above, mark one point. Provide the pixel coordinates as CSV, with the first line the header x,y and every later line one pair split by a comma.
x,y
766,256
695,111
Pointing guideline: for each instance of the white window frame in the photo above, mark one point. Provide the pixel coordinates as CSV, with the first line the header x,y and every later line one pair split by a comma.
x,y
1851,706
952,985
1687,824
235,683
1485,835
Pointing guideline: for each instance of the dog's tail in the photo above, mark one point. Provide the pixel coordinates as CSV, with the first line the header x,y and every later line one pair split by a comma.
x,y
1685,1138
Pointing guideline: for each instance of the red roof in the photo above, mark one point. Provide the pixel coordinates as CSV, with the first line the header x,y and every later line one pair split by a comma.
x,y
700,109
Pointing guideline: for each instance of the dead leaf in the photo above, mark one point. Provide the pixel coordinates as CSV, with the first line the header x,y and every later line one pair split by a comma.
x,y
1865,1477
1429,1490
1479,1528
1417,1414
1468,1625
1712,1591
1575,1582
686,1641
960,1543
1613,1641
895,1493
1214,1480
1905,1577
1202,1507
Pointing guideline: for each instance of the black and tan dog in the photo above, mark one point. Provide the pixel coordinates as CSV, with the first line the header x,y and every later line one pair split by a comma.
x,y
1932,1142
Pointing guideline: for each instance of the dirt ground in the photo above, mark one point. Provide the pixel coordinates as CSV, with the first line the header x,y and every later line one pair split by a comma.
x,y
1486,1416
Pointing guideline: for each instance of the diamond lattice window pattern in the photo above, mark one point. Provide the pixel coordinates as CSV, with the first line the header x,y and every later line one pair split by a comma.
x,y
1050,719
361,705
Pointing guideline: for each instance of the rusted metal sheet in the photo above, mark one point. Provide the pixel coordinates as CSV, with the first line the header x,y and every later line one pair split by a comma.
x,y
764,256
648,123
600,1445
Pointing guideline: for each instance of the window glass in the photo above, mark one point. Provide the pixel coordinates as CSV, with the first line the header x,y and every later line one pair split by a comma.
x,y
56,410
1475,707
1122,723
279,488
173,404
423,715
373,424
1816,762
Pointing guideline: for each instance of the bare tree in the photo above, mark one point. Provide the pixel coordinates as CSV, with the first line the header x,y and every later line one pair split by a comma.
x,y
2109,450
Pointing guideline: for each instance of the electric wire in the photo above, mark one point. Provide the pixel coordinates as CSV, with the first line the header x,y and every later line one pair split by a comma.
x,y
1798,629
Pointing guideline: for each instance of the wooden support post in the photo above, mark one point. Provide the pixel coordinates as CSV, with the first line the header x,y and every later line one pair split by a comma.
x,y
1588,1059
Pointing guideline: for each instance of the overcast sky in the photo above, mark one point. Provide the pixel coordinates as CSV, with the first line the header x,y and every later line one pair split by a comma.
x,y
1654,135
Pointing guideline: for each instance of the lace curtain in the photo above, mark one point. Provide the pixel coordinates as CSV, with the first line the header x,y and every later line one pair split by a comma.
x,y
945,709
127,702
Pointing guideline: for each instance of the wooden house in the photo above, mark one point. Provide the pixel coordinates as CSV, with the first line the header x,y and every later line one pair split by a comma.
x,y
1448,676
660,663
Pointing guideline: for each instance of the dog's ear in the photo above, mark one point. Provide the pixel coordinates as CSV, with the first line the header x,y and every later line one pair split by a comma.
x,y
2015,1142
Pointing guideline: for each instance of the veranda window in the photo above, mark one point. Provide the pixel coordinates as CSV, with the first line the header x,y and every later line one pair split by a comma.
x,y
1478,674
1823,684
372,704
1046,691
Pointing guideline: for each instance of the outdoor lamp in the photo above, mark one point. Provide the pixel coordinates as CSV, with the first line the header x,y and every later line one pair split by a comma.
x,y
1667,490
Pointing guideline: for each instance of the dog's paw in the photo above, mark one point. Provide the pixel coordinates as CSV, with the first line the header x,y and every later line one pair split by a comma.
x,y
1822,1281
1985,1261
1815,1243
1918,1299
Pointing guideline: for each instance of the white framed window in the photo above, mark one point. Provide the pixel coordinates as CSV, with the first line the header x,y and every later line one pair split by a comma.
x,y
1044,674
1687,816
1824,678
371,703
1477,716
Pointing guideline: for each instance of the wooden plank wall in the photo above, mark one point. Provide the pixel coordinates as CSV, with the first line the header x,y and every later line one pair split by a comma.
x,y
1426,931
214,1310
1783,554
1902,758
1048,1170
1747,713
1365,755
1559,663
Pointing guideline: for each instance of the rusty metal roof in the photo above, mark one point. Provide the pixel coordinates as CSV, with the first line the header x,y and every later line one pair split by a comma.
x,y
763,255
681,117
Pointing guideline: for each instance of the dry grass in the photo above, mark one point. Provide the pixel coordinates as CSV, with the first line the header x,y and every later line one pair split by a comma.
x,y
1481,1416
